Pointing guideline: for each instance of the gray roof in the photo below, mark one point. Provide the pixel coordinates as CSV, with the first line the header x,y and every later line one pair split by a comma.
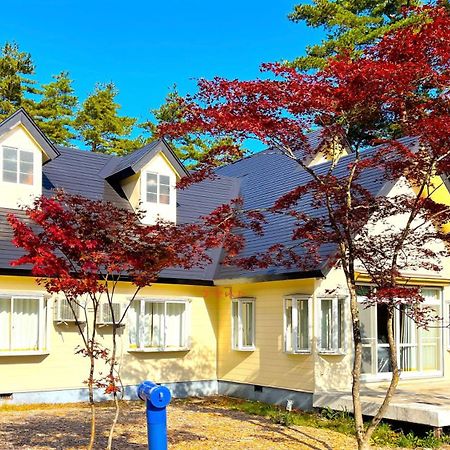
x,y
260,179
132,163
266,176
82,172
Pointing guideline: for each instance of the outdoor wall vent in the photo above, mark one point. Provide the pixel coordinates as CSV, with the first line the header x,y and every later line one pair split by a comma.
x,y
8,396
258,388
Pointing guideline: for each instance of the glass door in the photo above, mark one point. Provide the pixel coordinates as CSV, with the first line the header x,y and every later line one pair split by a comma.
x,y
419,350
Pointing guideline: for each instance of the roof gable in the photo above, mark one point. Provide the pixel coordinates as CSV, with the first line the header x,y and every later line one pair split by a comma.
x,y
23,118
134,162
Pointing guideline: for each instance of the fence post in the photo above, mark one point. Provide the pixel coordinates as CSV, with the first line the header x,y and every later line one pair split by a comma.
x,y
156,398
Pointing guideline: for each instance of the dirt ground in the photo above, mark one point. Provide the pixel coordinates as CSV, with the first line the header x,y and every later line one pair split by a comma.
x,y
195,424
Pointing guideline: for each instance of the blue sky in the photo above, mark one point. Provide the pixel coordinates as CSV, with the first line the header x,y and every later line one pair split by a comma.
x,y
145,47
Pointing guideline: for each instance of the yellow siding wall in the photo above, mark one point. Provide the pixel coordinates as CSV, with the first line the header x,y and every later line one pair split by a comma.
x,y
268,365
62,369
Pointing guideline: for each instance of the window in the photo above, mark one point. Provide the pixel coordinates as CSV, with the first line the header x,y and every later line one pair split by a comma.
x,y
23,324
419,350
243,324
17,166
157,188
332,325
158,325
297,324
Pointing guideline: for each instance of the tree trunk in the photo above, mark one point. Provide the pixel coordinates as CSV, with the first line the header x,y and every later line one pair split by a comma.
x,y
356,371
395,375
112,363
113,425
91,401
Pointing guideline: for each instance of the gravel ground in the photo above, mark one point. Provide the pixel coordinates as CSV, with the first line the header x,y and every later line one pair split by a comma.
x,y
194,424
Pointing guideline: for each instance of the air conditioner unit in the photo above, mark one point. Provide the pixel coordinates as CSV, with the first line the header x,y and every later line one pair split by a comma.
x,y
105,316
64,314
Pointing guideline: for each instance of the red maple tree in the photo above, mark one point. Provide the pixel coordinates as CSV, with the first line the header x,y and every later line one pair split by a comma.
x,y
82,249
397,89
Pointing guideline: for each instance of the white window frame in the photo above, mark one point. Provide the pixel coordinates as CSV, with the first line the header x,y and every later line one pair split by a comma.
x,y
158,188
295,299
446,322
19,151
163,348
240,338
336,326
43,326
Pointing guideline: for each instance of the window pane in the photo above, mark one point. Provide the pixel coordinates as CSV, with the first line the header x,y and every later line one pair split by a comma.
x,y
175,325
431,295
303,325
367,358
9,165
382,314
288,331
164,180
326,341
152,187
431,340
10,177
10,154
368,336
247,324
133,321
341,323
384,364
235,324
26,168
5,323
164,189
26,157
153,324
164,195
25,332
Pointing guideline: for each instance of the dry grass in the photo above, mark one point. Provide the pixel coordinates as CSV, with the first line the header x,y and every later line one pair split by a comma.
x,y
193,424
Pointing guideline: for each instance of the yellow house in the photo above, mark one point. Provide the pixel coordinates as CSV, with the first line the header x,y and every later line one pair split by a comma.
x,y
272,334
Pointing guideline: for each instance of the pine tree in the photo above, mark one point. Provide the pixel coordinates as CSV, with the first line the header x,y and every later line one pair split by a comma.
x,y
349,25
99,124
56,109
15,85
189,148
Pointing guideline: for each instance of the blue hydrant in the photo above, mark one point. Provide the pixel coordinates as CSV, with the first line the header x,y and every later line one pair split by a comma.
x,y
157,398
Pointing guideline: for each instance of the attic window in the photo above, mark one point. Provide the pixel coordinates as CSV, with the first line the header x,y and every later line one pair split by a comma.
x,y
158,188
17,166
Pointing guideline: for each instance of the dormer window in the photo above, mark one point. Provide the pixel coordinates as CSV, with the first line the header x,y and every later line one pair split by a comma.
x,y
158,188
17,166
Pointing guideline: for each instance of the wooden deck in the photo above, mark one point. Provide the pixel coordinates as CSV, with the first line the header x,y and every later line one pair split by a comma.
x,y
424,402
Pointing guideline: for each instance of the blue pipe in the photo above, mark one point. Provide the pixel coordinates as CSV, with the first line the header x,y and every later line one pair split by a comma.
x,y
157,398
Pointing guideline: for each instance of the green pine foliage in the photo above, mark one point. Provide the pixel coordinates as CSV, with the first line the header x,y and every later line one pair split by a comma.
x,y
191,149
349,25
55,111
99,124
16,67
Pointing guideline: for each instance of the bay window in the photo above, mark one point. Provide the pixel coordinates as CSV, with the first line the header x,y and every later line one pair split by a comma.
x,y
23,324
332,325
17,166
158,325
297,324
243,324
